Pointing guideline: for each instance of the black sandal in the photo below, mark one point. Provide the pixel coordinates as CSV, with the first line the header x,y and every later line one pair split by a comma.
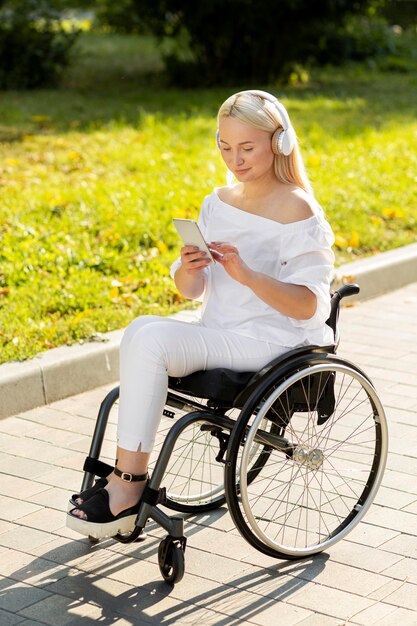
x,y
87,493
97,467
100,520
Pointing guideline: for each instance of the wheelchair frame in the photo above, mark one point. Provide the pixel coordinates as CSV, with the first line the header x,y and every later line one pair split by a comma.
x,y
270,507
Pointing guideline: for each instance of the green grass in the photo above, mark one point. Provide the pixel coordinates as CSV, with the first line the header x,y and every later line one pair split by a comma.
x,y
91,175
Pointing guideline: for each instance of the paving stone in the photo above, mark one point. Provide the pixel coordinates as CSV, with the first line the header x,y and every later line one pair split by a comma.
x,y
371,535
399,593
60,420
255,557
12,509
11,465
363,557
411,508
60,611
219,519
14,596
190,615
329,601
215,567
63,551
5,526
395,499
221,543
373,614
198,590
30,448
399,616
255,608
279,585
9,619
318,619
51,497
45,519
240,599
345,578
32,622
62,477
21,487
394,520
403,464
406,569
396,480
97,589
24,539
23,567
405,545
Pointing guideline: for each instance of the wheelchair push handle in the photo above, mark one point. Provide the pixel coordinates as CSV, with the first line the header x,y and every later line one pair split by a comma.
x,y
345,291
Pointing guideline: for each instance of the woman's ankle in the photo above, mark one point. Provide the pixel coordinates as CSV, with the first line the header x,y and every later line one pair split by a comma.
x,y
123,494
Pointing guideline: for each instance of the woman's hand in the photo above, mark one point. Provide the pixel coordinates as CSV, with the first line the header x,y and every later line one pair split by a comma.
x,y
193,260
228,256
296,301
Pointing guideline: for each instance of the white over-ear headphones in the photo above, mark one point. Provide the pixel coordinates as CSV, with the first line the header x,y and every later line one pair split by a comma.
x,y
283,140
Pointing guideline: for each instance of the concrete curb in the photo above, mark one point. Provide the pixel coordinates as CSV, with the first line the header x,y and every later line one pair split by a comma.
x,y
67,371
381,273
58,373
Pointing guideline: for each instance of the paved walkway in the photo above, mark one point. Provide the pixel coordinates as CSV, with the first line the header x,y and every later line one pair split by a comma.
x,y
49,575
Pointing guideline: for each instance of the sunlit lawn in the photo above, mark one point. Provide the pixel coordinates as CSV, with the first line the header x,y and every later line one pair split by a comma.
x,y
92,174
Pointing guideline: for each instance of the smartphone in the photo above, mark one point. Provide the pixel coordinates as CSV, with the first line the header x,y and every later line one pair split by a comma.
x,y
191,235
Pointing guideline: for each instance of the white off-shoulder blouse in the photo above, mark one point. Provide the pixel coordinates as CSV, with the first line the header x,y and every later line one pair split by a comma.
x,y
299,253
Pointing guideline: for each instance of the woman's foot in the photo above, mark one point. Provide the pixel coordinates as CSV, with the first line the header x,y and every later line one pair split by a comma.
x,y
83,496
95,519
110,510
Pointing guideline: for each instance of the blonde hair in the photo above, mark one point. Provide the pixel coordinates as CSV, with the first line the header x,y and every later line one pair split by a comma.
x,y
262,114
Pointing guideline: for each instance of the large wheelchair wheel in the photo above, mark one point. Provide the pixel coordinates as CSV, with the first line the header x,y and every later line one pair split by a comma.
x,y
324,463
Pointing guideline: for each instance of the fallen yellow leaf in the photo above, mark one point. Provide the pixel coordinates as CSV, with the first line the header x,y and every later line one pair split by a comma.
x,y
341,241
354,239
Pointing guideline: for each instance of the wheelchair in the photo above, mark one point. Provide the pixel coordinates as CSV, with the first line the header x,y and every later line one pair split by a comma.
x,y
296,450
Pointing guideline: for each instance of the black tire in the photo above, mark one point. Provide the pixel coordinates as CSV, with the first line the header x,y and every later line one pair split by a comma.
x,y
171,560
310,495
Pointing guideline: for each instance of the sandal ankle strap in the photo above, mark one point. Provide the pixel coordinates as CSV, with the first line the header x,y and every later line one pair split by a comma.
x,y
128,477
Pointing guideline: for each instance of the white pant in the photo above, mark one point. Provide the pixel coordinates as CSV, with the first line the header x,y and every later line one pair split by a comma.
x,y
154,348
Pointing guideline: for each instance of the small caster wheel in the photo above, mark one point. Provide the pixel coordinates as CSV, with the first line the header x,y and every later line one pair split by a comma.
x,y
171,559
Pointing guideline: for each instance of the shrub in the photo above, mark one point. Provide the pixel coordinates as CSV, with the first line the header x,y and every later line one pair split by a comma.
x,y
34,47
231,41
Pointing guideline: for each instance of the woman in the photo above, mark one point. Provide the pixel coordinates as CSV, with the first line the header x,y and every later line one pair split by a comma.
x,y
267,293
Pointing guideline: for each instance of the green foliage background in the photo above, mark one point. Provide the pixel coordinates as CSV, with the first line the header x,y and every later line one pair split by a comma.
x,y
92,174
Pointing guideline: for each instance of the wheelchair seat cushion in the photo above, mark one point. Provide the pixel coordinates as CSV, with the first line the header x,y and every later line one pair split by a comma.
x,y
219,384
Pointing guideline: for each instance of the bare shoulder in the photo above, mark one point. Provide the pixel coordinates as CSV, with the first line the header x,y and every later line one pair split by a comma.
x,y
227,194
297,206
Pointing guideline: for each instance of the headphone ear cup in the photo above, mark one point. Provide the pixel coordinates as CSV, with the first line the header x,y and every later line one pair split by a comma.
x,y
283,141
218,139
276,141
